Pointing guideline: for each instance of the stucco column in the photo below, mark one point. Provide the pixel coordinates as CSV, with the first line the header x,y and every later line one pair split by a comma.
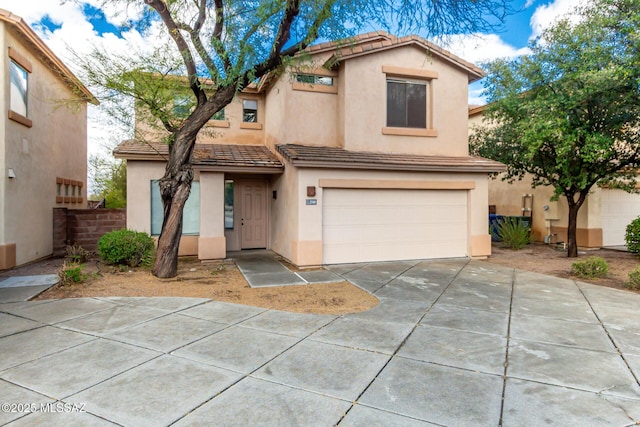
x,y
212,243
480,244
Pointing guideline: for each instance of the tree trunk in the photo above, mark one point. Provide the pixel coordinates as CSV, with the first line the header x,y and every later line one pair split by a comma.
x,y
572,227
175,187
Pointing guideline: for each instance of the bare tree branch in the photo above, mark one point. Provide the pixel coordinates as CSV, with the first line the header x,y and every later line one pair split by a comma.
x,y
174,31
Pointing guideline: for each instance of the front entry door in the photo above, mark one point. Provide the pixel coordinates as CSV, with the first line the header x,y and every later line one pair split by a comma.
x,y
253,214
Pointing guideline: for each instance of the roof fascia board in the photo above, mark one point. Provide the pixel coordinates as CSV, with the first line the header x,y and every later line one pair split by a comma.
x,y
474,73
394,167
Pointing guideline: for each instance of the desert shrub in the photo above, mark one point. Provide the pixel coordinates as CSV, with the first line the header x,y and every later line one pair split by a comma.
x,y
72,272
77,254
126,247
590,268
632,236
634,279
513,233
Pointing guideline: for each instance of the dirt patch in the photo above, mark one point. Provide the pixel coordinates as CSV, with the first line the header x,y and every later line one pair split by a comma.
x,y
219,281
224,282
550,260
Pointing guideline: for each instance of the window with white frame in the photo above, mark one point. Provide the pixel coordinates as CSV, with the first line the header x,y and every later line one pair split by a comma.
x,y
406,103
190,215
18,89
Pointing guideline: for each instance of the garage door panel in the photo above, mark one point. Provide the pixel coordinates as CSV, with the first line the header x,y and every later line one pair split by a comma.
x,y
618,208
378,225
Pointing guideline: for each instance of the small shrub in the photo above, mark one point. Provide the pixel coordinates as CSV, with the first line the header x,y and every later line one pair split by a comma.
x,y
590,268
634,279
126,247
632,236
72,272
513,233
77,254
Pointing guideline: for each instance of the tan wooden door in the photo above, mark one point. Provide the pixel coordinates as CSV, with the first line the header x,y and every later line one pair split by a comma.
x,y
253,214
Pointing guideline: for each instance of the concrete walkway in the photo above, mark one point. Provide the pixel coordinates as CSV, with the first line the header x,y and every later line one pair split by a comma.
x,y
453,343
261,268
23,288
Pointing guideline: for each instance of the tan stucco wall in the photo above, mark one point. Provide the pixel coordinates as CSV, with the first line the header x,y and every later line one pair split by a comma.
x,y
284,212
230,131
300,225
212,242
364,97
55,146
139,177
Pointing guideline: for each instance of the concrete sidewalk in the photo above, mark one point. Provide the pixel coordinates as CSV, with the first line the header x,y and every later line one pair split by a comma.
x,y
454,343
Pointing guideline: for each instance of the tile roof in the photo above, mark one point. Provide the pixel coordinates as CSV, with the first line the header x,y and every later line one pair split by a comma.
x,y
367,43
334,157
215,156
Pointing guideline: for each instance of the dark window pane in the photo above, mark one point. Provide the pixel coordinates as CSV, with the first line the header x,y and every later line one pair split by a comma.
x,y
305,78
228,204
416,106
396,106
406,104
218,116
250,111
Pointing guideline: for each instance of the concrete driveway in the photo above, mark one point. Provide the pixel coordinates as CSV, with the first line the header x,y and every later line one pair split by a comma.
x,y
454,343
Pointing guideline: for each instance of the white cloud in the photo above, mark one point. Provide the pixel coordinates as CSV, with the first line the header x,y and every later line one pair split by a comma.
x,y
547,14
478,48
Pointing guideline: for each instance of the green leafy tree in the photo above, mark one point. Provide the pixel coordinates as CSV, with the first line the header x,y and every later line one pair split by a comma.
x,y
568,113
109,181
221,46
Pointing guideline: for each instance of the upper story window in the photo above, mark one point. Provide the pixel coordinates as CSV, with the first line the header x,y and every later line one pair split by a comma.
x,y
406,103
19,85
250,111
219,115
19,70
181,106
314,79
410,101
321,80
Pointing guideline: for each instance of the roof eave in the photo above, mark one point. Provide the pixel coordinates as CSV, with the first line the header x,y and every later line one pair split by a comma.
x,y
135,156
273,170
397,167
474,73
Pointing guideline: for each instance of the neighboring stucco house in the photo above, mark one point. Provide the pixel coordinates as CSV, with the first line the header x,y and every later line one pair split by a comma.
x,y
43,142
602,219
362,156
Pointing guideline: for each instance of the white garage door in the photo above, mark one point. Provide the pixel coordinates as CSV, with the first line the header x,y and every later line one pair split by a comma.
x,y
618,208
382,225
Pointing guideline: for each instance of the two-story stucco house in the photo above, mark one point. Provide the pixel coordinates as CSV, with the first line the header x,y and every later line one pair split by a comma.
x,y
43,142
362,156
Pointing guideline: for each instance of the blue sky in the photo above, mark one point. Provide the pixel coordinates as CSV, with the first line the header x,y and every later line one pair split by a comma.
x,y
81,25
